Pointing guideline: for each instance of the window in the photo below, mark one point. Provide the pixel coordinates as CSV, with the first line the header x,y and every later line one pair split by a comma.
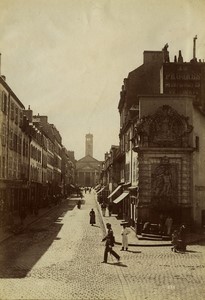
x,y
19,143
12,111
16,115
127,172
3,135
127,141
3,166
11,139
21,119
4,102
15,142
10,167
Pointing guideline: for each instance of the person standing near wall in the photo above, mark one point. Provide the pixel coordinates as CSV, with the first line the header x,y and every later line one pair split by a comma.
x,y
124,233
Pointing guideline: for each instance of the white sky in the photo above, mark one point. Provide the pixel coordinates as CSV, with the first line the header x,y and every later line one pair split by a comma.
x,y
68,58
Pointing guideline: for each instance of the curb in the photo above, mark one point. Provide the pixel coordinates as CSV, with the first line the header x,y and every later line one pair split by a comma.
x,y
130,244
143,245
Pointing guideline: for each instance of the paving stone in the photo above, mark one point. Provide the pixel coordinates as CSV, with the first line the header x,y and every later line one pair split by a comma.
x,y
60,258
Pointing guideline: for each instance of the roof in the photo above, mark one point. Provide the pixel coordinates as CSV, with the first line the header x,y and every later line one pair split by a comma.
x,y
7,87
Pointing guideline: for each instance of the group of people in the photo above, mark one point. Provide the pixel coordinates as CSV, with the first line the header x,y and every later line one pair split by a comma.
x,y
179,239
104,206
109,238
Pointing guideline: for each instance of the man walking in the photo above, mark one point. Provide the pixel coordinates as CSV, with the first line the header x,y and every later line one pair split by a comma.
x,y
109,238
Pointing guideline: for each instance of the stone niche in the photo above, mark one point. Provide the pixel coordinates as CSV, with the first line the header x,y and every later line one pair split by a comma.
x,y
165,184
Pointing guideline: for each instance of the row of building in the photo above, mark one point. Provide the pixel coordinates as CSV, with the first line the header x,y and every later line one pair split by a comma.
x,y
158,168
35,167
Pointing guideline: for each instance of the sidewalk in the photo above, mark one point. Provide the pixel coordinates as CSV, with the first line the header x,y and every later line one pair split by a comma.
x,y
132,238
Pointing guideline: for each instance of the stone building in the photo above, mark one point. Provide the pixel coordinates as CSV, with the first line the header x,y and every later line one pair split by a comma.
x,y
161,140
88,168
14,151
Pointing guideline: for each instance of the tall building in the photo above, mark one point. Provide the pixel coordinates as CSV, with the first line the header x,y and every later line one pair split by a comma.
x,y
14,153
162,116
89,144
88,168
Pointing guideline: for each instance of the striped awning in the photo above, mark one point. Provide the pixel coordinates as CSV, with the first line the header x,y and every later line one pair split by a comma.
x,y
101,190
121,197
117,189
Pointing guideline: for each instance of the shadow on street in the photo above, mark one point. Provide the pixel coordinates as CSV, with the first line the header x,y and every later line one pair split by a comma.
x,y
21,252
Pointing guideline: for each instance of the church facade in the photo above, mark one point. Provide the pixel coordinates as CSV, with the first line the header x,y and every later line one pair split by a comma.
x,y
88,168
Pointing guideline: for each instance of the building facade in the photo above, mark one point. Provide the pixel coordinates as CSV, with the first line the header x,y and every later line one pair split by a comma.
x,y
88,168
14,151
162,118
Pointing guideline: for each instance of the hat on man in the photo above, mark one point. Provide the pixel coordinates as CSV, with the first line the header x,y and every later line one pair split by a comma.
x,y
108,224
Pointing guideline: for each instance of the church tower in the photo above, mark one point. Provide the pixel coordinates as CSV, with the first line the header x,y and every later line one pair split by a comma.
x,y
89,144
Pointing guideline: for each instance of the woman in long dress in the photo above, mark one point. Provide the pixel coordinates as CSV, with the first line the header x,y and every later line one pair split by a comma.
x,y
92,217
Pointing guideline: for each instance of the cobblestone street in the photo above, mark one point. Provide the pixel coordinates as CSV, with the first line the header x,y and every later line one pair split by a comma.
x,y
59,257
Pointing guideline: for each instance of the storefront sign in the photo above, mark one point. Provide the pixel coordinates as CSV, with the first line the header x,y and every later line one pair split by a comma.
x,y
183,79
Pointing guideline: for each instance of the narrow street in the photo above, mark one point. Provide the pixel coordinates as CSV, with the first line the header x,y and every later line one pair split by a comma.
x,y
59,257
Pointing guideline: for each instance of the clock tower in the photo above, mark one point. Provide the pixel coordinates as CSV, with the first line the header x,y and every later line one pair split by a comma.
x,y
89,145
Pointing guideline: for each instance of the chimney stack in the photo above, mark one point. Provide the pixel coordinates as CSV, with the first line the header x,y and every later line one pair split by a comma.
x,y
194,47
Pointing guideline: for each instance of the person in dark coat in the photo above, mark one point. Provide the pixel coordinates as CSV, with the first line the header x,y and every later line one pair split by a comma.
x,y
182,238
109,238
79,204
92,217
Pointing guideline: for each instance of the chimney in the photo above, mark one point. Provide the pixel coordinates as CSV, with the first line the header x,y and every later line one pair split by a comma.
x,y
194,47
29,114
180,58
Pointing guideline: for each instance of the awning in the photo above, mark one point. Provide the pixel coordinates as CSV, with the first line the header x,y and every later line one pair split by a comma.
x,y
121,197
101,190
133,187
117,189
97,186
127,183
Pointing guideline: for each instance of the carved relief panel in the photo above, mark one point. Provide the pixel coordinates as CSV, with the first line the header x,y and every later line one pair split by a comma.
x,y
165,128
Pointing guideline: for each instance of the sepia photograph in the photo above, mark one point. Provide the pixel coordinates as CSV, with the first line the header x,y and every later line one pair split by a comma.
x,y
102,160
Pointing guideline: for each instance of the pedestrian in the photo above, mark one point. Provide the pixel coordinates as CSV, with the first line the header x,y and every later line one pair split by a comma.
x,y
168,225
109,238
125,231
110,208
182,238
103,207
92,217
79,204
175,242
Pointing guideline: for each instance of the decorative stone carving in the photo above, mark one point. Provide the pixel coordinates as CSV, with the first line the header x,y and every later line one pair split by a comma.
x,y
166,128
164,183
